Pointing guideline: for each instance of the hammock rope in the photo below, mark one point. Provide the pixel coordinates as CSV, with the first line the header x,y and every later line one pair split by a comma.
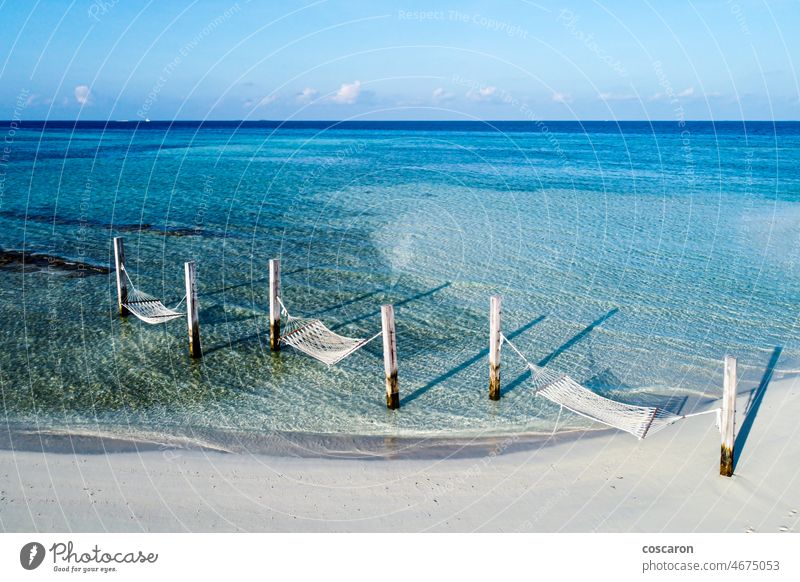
x,y
148,308
313,338
560,389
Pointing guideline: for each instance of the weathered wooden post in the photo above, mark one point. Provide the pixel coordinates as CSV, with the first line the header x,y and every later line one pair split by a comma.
x,y
122,282
728,417
195,350
274,305
390,357
495,341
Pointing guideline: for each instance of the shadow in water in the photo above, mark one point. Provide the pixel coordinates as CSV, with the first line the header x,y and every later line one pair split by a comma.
x,y
606,381
516,382
465,364
249,283
338,306
753,404
577,338
217,315
377,313
609,385
237,341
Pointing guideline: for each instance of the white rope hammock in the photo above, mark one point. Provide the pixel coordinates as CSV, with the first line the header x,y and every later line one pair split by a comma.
x,y
313,338
640,421
148,308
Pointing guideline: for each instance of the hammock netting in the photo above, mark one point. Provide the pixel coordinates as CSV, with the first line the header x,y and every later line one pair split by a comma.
x,y
148,308
640,421
312,337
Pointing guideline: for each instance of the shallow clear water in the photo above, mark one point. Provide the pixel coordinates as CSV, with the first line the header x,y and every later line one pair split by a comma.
x,y
631,257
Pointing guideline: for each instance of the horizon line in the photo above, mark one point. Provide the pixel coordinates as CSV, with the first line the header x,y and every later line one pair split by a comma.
x,y
399,120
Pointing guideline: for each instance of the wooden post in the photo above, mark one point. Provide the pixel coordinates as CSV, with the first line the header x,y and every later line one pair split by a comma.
x,y
122,281
728,417
274,305
195,350
495,341
390,357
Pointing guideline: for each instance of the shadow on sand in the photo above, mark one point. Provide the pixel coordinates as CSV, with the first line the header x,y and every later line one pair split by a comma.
x,y
753,404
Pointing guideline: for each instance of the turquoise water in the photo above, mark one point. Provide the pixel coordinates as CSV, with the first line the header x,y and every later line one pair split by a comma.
x,y
632,257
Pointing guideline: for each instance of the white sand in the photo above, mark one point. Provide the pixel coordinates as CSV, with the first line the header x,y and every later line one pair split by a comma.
x,y
606,482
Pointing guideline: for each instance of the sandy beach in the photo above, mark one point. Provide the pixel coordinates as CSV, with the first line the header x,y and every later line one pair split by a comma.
x,y
602,481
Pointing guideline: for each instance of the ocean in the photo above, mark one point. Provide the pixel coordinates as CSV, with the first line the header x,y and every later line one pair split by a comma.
x,y
632,256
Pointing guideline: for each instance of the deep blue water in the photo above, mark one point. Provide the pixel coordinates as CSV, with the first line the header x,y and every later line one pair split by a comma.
x,y
589,126
632,255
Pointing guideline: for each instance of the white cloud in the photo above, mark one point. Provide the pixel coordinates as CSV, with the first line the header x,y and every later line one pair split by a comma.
x,y
267,100
483,94
440,95
83,95
617,96
307,95
688,92
348,93
561,97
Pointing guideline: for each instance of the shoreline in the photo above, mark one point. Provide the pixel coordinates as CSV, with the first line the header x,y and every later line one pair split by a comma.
x,y
57,441
98,438
604,481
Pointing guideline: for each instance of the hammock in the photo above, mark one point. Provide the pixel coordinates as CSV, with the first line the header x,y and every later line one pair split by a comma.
x,y
640,421
313,338
148,308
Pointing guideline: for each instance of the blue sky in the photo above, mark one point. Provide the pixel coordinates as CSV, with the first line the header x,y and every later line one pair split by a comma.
x,y
507,59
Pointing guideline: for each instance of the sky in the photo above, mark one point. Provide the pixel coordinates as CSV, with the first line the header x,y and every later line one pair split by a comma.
x,y
434,59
